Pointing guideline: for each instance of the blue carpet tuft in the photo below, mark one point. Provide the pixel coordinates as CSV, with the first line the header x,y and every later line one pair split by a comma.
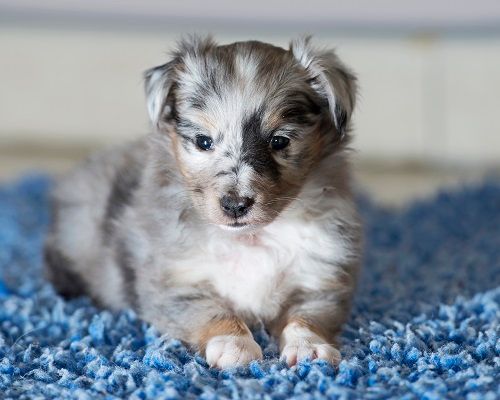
x,y
425,322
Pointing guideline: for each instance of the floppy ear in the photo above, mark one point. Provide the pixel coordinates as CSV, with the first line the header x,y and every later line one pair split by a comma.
x,y
160,82
330,78
160,100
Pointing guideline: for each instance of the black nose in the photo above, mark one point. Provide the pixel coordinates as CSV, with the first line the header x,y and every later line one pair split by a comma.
x,y
235,206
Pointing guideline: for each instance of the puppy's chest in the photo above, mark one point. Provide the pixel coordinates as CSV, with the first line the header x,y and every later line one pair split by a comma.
x,y
254,279
258,274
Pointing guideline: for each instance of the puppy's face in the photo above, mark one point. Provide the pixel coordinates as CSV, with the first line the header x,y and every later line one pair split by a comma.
x,y
248,122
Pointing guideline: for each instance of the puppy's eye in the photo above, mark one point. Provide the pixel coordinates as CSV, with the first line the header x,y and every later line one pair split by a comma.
x,y
204,142
279,142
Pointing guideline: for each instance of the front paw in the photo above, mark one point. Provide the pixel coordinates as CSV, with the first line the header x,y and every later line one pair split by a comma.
x,y
293,353
228,351
299,343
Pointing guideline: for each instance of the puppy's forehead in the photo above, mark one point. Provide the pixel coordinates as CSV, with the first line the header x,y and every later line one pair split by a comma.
x,y
224,87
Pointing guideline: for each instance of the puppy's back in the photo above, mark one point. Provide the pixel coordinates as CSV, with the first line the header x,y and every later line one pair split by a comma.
x,y
85,204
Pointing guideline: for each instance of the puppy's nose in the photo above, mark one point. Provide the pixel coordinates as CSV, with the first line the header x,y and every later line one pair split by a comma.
x,y
235,206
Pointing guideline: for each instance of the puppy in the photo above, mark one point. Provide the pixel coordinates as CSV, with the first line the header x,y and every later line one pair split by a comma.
x,y
236,210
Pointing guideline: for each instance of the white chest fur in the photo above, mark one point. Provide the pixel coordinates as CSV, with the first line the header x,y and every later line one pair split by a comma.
x,y
257,273
253,276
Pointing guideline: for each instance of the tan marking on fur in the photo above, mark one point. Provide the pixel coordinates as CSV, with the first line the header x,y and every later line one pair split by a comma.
x,y
207,123
175,145
317,147
218,327
306,323
273,120
341,283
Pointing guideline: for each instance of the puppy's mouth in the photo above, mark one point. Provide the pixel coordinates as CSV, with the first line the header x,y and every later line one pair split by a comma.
x,y
236,226
239,227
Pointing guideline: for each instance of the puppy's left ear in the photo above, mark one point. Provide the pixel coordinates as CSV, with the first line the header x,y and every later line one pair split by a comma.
x,y
160,96
330,78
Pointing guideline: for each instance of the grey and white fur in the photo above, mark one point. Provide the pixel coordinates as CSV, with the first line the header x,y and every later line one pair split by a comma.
x,y
235,210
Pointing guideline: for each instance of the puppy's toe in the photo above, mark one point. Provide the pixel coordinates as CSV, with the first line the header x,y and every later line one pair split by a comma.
x,y
293,353
229,351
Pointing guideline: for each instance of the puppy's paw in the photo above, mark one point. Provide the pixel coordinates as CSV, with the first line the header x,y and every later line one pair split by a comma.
x,y
293,353
228,351
299,343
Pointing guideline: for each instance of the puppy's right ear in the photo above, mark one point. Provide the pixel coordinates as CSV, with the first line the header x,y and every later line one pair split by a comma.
x,y
160,96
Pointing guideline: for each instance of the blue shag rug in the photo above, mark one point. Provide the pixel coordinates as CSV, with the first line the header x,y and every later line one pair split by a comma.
x,y
425,323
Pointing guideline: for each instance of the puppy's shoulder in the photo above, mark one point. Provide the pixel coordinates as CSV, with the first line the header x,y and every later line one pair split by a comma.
x,y
96,173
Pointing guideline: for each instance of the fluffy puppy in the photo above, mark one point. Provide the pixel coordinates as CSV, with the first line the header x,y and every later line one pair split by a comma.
x,y
236,210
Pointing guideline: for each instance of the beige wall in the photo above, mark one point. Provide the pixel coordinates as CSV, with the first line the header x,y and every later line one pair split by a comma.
x,y
422,97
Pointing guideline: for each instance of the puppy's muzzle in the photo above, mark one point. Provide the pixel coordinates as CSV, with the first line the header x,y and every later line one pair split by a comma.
x,y
235,206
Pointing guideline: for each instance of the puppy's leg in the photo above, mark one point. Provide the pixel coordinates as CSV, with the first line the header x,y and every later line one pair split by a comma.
x,y
227,341
303,339
309,327
206,322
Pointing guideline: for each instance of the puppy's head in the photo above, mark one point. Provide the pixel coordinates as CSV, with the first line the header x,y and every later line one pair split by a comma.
x,y
248,122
